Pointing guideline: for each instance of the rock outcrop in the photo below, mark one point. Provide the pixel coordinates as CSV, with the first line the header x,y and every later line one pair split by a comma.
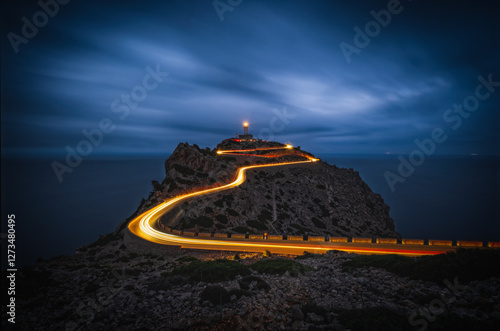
x,y
122,282
309,199
127,291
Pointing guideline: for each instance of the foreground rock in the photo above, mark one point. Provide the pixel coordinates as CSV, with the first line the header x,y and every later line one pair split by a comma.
x,y
310,199
133,292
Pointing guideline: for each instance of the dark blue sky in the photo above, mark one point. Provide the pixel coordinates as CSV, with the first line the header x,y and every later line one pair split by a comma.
x,y
264,55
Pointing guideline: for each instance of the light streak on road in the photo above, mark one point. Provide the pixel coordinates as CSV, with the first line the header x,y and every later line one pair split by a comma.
x,y
231,151
145,225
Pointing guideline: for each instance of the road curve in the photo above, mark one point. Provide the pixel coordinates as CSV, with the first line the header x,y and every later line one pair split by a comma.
x,y
146,227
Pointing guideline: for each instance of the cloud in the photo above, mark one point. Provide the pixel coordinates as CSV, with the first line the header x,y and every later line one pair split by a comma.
x,y
264,56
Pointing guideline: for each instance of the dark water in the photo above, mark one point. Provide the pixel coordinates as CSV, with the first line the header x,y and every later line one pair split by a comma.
x,y
455,198
446,198
55,218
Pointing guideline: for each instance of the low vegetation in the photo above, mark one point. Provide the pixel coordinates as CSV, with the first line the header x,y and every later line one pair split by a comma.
x,y
211,271
223,270
203,221
246,281
279,267
218,295
376,318
257,225
242,230
465,264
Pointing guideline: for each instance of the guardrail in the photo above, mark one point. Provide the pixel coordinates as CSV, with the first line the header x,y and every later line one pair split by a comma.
x,y
220,235
203,234
462,243
386,241
338,239
412,241
440,242
314,238
359,240
362,240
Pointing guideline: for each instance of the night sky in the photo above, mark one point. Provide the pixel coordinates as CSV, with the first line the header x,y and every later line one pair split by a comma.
x,y
264,58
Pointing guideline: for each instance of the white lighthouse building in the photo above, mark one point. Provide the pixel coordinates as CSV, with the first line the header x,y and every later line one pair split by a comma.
x,y
245,136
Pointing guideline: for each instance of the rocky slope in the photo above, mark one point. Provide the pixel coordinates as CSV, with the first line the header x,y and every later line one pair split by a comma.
x,y
310,199
129,291
121,282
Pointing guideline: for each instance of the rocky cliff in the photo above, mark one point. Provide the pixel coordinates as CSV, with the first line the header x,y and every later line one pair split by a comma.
x,y
308,199
122,282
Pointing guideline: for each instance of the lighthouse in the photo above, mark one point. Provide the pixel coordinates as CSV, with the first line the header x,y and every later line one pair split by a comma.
x,y
245,128
246,136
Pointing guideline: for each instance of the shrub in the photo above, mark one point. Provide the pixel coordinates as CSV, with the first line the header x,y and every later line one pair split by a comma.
x,y
279,267
221,218
247,280
300,228
377,318
232,212
103,240
265,215
172,187
91,287
256,224
465,264
312,308
308,255
184,181
211,271
318,223
217,295
203,221
239,293
242,230
186,258
185,171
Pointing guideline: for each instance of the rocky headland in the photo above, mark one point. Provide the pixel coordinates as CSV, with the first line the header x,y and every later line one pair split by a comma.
x,y
122,282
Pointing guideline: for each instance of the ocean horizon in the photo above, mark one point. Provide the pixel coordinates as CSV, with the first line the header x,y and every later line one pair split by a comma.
x,y
447,197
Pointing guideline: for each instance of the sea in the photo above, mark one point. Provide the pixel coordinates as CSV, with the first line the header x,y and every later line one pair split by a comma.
x,y
446,197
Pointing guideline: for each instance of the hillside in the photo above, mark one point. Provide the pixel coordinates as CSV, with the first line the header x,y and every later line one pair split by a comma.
x,y
122,282
308,199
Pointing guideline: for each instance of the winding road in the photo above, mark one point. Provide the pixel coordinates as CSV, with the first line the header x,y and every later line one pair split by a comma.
x,y
146,226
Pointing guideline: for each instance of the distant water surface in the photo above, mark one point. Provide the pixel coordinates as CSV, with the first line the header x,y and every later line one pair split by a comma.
x,y
446,198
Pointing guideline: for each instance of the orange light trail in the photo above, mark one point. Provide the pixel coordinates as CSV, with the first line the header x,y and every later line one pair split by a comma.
x,y
229,151
142,225
145,225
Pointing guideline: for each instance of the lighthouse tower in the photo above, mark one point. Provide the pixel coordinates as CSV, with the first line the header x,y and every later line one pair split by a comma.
x,y
246,136
245,128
